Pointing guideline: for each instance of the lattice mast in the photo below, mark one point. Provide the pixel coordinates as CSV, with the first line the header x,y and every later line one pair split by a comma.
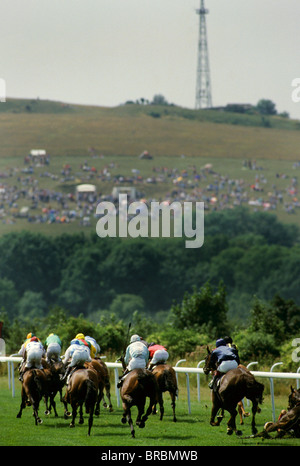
x,y
203,86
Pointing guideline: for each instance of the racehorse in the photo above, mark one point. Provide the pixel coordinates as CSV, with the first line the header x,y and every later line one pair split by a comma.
x,y
288,421
82,389
167,382
294,398
234,386
139,384
97,367
33,388
54,384
106,384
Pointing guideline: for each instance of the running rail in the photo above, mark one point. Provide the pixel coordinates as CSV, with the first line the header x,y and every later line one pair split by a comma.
x,y
10,360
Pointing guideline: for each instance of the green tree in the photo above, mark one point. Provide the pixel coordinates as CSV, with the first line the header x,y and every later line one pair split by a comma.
x,y
266,107
203,310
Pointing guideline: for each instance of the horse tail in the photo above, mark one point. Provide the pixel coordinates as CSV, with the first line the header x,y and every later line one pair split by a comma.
x,y
37,382
170,381
91,395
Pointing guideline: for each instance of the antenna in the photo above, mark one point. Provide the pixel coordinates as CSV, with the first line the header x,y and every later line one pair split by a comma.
x,y
203,87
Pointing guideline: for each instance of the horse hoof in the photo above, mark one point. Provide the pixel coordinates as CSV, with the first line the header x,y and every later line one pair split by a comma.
x,y
111,409
40,421
123,420
72,425
229,431
141,424
47,412
81,421
97,413
239,433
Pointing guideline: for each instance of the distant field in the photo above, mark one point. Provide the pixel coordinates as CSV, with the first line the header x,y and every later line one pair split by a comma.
x,y
128,130
113,138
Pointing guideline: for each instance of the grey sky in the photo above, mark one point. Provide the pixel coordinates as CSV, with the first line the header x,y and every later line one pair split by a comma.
x,y
104,52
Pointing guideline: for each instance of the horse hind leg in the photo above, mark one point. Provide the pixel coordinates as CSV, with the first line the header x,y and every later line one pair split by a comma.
x,y
173,404
23,403
231,424
254,411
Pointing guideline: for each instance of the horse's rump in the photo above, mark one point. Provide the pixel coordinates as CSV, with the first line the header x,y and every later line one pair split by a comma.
x,y
242,383
166,377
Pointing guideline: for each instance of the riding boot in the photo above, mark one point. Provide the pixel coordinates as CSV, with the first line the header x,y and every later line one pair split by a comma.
x,y
120,383
65,375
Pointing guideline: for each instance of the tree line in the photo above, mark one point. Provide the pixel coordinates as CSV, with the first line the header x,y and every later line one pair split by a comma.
x,y
249,263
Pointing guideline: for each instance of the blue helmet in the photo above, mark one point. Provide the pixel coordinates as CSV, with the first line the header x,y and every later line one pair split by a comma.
x,y
220,342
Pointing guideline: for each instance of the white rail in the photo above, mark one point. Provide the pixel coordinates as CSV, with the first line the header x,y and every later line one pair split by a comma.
x,y
10,360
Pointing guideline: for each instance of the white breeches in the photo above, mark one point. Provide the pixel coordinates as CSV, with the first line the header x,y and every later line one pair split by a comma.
x,y
159,357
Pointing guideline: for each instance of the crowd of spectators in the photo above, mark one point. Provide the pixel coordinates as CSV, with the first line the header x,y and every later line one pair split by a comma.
x,y
36,193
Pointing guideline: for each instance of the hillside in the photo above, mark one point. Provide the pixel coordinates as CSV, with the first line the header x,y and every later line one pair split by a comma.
x,y
249,164
64,129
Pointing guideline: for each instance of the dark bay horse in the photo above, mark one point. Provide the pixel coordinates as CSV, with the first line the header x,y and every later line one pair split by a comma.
x,y
34,386
167,382
288,421
53,370
294,398
137,386
98,368
82,390
235,385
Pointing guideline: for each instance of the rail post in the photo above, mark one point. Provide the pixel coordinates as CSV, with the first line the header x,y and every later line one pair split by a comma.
x,y
272,389
176,365
198,379
298,382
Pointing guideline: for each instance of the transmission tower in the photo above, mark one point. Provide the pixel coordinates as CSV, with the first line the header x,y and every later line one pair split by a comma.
x,y
203,88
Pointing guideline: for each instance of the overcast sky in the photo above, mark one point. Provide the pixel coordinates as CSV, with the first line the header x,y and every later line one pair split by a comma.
x,y
104,52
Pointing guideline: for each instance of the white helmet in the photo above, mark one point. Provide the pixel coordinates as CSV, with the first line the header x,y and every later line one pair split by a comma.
x,y
135,338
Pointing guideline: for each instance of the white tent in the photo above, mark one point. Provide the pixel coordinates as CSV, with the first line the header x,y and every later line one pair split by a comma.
x,y
37,152
86,188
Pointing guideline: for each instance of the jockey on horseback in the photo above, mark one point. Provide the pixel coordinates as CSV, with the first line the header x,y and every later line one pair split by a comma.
x,y
136,356
32,355
158,355
225,357
53,345
76,355
94,344
23,352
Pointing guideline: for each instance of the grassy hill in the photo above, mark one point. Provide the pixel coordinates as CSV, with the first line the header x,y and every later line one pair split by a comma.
x,y
65,129
118,135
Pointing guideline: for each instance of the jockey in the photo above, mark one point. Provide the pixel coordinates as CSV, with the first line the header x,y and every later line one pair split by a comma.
x,y
136,356
94,344
22,350
226,358
158,355
83,341
34,351
53,345
75,357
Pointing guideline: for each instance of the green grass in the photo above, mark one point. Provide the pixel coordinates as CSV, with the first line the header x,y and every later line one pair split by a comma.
x,y
190,430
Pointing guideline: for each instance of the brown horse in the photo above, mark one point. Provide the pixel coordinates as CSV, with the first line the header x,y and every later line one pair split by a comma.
x,y
167,382
82,389
97,367
294,398
53,370
34,386
137,386
235,385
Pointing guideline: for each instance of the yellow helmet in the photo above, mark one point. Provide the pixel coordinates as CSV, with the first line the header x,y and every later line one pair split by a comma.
x,y
79,336
29,335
